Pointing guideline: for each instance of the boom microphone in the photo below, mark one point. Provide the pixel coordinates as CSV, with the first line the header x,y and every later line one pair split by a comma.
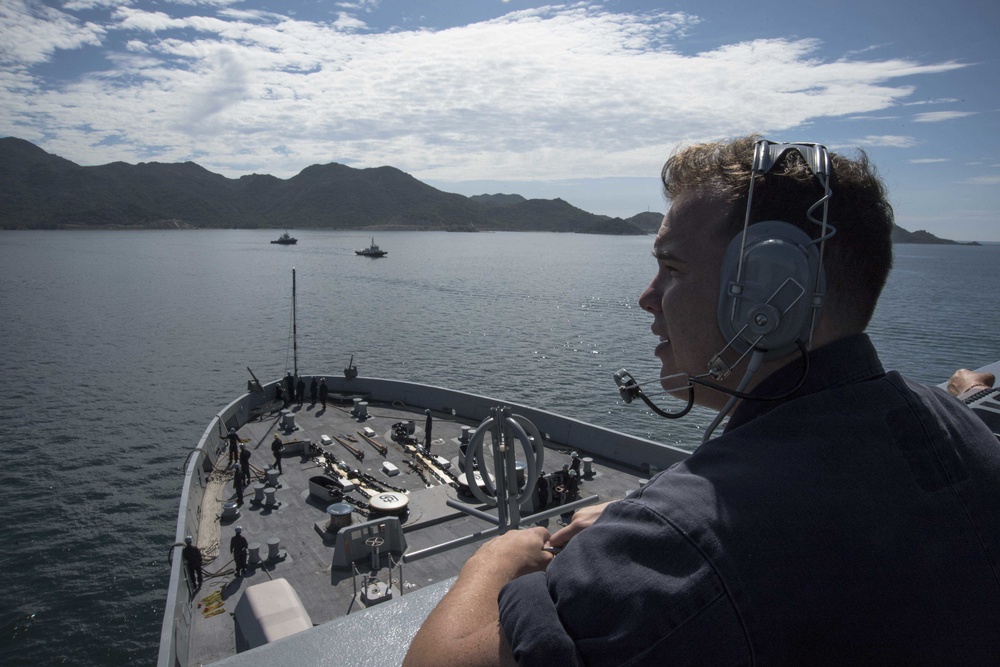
x,y
629,390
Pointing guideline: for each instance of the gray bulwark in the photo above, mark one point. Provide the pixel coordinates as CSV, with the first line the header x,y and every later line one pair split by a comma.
x,y
376,637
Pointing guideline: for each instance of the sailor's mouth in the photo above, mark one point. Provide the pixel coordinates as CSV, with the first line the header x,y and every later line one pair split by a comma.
x,y
662,346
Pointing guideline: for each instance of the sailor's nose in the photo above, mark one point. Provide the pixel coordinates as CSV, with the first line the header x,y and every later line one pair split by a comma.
x,y
649,300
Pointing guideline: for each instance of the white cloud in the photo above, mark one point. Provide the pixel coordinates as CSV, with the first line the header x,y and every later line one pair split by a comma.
x,y
362,5
81,5
558,92
983,180
32,32
206,3
943,100
886,141
929,160
867,49
347,22
870,118
939,116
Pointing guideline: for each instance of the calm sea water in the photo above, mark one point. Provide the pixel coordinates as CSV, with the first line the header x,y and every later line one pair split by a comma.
x,y
119,347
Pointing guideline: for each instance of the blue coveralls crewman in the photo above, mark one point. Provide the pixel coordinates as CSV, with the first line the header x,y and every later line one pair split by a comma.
x,y
245,463
192,559
276,448
239,547
234,444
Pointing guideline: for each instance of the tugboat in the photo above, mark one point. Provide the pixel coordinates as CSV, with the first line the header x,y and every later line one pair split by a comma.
x,y
285,239
372,251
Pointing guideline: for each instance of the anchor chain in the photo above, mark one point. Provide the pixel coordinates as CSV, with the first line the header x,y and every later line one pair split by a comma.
x,y
360,507
420,473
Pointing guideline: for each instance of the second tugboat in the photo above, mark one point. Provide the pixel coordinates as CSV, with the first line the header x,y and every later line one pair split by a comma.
x,y
372,251
285,239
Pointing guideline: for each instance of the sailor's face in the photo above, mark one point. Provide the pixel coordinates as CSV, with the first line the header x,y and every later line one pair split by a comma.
x,y
684,293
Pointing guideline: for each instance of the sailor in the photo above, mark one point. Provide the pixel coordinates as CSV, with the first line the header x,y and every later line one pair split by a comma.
x,y
238,547
574,462
887,489
245,463
192,559
289,387
238,483
300,391
276,448
542,488
569,490
279,394
572,486
427,431
234,443
323,391
313,390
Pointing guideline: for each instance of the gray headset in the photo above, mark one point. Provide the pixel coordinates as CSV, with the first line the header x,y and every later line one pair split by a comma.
x,y
772,283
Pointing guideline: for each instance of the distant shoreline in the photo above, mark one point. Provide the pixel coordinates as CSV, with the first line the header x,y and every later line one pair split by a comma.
x,y
923,238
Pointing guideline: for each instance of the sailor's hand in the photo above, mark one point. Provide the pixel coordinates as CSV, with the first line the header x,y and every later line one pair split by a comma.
x,y
964,380
463,629
582,518
513,554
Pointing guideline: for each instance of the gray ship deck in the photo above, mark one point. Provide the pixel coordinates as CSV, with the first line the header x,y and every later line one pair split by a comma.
x,y
346,634
299,519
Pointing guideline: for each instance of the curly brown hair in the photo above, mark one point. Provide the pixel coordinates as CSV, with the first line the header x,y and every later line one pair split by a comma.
x,y
856,260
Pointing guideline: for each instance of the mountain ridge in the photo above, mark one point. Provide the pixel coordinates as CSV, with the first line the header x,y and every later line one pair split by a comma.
x,y
40,190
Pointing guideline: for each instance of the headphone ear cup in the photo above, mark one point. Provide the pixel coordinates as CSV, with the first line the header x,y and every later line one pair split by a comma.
x,y
771,307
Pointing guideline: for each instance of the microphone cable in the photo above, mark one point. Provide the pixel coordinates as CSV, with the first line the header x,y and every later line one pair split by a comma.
x,y
699,379
629,390
756,359
670,415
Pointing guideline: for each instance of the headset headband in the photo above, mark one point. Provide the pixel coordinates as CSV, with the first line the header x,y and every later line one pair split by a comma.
x,y
767,153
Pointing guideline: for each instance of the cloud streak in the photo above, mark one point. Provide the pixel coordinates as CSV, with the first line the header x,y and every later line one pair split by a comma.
x,y
941,116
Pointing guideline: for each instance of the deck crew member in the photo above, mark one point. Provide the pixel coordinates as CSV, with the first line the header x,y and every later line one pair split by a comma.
x,y
845,515
238,483
276,448
289,387
572,486
313,391
245,463
300,391
324,391
192,560
574,464
234,445
542,490
238,546
427,431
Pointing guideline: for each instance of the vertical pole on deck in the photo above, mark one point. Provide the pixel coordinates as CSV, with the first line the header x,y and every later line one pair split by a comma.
x,y
295,339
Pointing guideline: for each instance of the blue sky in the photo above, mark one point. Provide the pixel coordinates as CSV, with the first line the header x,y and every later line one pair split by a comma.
x,y
579,100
